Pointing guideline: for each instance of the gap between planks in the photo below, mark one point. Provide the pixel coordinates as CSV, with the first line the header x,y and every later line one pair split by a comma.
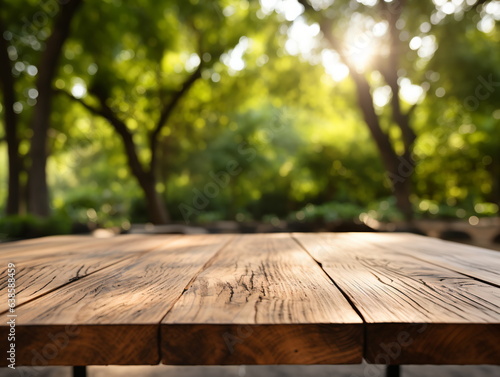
x,y
346,296
105,338
286,329
432,259
203,268
462,320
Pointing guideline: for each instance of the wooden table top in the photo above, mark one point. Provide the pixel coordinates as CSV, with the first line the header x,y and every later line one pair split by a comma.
x,y
317,298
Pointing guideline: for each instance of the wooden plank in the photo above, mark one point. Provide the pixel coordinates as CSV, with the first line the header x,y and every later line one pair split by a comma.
x,y
39,246
262,300
57,245
416,312
40,241
477,262
63,265
113,314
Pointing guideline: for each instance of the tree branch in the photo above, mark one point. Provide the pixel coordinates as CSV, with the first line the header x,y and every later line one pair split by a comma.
x,y
92,109
389,72
120,127
364,97
169,107
167,111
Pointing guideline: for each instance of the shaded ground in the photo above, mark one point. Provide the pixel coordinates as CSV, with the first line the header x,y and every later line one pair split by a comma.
x,y
261,371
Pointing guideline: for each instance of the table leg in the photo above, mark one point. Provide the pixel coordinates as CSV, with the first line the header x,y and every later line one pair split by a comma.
x,y
80,371
393,371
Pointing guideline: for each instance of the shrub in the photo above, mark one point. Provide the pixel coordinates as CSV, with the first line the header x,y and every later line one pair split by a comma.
x,y
28,226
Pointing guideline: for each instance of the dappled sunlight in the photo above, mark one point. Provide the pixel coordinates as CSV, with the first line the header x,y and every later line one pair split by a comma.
x,y
234,58
411,93
79,90
302,38
364,41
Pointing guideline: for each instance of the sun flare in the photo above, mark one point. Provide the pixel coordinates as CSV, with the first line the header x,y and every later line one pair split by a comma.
x,y
361,58
363,42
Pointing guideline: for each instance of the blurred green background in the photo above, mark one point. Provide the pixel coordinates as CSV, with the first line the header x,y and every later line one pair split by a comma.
x,y
303,113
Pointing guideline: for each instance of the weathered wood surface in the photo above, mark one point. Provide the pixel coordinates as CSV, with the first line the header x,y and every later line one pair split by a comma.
x,y
46,269
477,262
253,299
40,246
115,312
416,312
262,300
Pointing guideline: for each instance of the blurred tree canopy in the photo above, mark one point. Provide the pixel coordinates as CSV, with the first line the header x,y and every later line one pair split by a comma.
x,y
115,112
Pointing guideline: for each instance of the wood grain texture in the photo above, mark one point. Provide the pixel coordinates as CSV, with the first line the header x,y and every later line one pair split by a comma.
x,y
254,299
473,261
58,267
39,247
40,346
262,300
112,307
233,344
42,241
436,343
394,292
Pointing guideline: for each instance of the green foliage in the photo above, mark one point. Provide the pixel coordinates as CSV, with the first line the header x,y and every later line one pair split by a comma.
x,y
20,227
95,209
299,142
327,212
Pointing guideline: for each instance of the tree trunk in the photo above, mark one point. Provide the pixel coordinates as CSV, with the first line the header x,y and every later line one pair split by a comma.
x,y
38,193
157,210
147,179
398,168
10,124
402,192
